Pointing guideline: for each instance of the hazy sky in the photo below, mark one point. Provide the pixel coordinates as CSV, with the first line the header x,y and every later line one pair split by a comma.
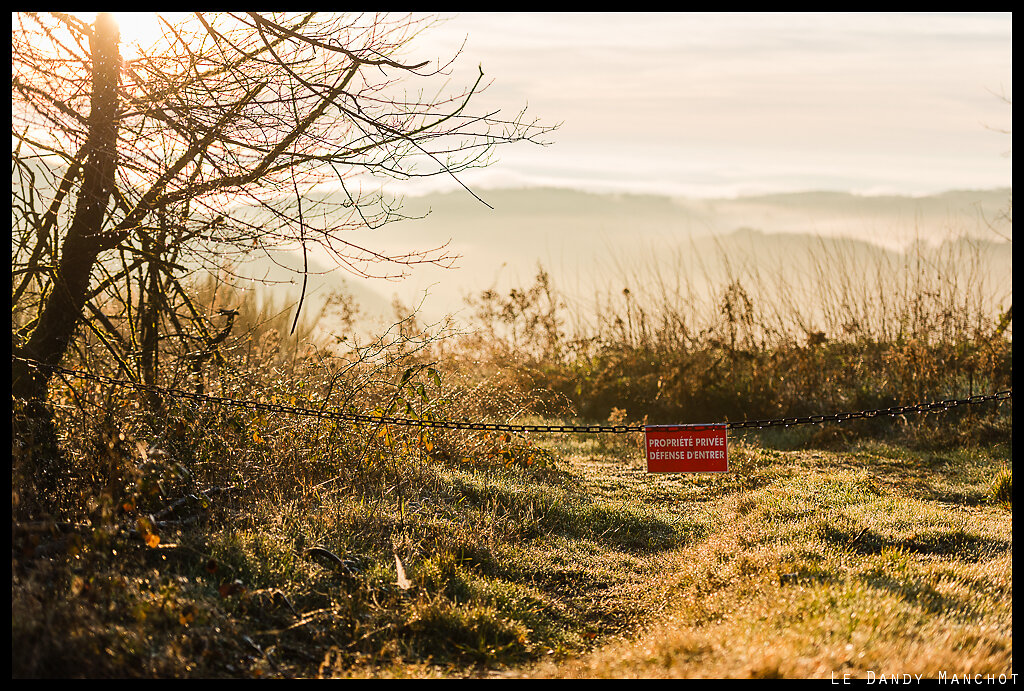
x,y
712,104
720,104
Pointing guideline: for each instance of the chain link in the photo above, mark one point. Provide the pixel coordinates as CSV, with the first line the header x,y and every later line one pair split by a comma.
x,y
932,407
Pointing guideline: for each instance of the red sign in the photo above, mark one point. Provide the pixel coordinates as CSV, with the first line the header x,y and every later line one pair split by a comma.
x,y
686,448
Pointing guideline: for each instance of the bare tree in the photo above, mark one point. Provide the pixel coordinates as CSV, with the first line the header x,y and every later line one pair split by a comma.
x,y
235,132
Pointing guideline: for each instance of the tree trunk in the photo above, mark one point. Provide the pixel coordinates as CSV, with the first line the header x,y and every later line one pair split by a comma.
x,y
85,239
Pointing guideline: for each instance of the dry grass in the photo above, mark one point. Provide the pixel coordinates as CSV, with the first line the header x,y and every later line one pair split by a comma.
x,y
841,329
202,541
872,558
827,569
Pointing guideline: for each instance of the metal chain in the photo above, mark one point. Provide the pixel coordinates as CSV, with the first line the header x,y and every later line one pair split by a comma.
x,y
932,407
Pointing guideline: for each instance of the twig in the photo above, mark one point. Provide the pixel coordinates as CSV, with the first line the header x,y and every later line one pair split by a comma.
x,y
262,652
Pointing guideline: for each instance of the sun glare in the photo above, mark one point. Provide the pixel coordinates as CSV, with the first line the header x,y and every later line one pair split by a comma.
x,y
139,30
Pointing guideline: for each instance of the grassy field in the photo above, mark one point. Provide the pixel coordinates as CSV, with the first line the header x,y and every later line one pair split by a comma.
x,y
187,539
550,557
868,562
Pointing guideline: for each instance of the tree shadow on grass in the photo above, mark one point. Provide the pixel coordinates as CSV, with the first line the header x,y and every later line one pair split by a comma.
x,y
954,543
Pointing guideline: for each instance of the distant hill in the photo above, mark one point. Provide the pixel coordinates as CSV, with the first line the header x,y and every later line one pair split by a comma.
x,y
595,241
588,239
603,242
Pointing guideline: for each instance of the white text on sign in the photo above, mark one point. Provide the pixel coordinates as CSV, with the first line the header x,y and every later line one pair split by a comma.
x,y
686,448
